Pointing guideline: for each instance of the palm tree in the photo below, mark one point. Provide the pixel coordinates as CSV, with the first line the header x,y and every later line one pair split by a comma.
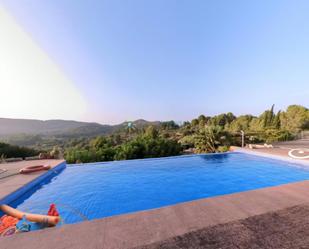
x,y
130,127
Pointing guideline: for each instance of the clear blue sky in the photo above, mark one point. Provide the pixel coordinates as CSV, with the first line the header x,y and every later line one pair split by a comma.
x,y
168,59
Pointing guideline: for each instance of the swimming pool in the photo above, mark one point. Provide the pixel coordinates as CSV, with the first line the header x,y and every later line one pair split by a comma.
x,y
105,189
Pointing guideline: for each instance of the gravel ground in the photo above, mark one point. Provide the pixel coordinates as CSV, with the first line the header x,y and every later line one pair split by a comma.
x,y
285,229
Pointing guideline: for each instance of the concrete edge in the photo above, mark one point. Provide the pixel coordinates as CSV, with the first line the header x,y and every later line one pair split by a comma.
x,y
151,159
24,189
276,157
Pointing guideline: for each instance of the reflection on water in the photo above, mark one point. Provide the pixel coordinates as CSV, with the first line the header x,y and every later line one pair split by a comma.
x,y
30,192
215,158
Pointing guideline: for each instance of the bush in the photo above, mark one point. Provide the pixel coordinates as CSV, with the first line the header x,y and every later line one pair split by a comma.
x,y
142,146
11,151
223,148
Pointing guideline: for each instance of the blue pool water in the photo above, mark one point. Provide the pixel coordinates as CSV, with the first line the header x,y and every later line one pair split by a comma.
x,y
105,189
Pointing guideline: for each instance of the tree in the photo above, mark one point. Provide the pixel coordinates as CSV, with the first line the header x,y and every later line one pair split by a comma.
x,y
187,141
100,142
202,120
145,146
209,138
240,123
267,117
295,118
230,117
194,122
169,125
151,132
10,151
222,119
276,121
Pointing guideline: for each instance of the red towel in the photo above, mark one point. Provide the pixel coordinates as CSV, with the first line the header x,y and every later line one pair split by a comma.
x,y
7,221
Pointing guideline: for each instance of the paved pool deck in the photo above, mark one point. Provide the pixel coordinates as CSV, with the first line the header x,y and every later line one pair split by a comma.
x,y
279,153
12,182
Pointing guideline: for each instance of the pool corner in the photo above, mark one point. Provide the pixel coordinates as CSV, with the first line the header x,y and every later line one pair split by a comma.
x,y
15,185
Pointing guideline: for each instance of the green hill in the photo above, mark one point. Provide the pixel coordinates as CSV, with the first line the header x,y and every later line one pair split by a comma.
x,y
41,134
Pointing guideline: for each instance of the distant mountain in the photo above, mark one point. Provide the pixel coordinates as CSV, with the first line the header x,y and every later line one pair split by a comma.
x,y
140,123
31,126
9,127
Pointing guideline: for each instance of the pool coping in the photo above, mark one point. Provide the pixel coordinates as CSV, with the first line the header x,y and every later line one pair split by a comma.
x,y
20,191
234,150
150,159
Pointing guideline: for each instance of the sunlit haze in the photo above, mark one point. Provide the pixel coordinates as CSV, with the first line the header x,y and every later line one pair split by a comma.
x,y
32,85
